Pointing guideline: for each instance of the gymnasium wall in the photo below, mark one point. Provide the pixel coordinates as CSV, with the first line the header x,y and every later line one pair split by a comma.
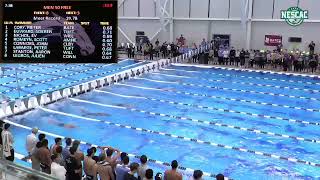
x,y
197,19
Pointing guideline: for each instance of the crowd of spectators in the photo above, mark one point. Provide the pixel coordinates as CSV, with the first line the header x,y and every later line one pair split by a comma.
x,y
277,59
283,59
152,51
68,162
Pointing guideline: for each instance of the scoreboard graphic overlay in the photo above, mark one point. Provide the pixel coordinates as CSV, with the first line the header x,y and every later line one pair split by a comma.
x,y
59,31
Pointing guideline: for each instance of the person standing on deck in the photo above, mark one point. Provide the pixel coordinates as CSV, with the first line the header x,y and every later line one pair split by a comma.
x,y
173,174
143,167
7,143
44,157
31,142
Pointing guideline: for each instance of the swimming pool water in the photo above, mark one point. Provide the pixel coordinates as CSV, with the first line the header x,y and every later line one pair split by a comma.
x,y
40,78
189,102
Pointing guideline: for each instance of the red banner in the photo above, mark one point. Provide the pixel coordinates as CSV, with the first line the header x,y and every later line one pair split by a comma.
x,y
272,40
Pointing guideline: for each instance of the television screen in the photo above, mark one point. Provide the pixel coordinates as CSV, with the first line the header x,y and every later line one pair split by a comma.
x,y
295,39
59,31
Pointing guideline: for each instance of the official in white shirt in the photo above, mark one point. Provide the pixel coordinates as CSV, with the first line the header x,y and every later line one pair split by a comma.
x,y
31,141
7,143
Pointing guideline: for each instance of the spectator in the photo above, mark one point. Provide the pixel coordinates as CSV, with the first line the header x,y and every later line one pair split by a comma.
x,y
123,169
237,57
169,49
60,159
44,157
89,164
172,49
279,47
7,143
311,47
149,175
157,42
112,159
72,166
173,174
181,40
163,49
151,51
31,141
197,175
95,158
232,56
252,54
78,154
158,176
133,50
1,128
65,151
57,170
41,137
143,167
157,49
203,43
129,50
225,56
220,56
122,155
34,159
242,57
104,169
58,142
220,177
133,170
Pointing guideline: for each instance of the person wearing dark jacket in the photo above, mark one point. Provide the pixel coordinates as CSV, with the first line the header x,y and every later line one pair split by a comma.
x,y
232,56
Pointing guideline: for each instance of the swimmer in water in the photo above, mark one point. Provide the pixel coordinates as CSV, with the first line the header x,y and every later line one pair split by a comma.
x,y
167,89
61,124
86,113
124,105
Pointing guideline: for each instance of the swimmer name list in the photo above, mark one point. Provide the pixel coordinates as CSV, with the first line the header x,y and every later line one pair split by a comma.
x,y
27,44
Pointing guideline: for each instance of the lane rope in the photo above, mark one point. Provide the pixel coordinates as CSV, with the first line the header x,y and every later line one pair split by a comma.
x,y
257,84
211,123
243,91
248,77
289,159
71,82
250,70
42,74
204,95
255,102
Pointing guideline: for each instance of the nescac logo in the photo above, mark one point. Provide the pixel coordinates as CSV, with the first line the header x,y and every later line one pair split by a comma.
x,y
294,16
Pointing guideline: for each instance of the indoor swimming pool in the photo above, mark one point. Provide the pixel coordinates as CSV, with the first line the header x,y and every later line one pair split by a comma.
x,y
25,80
246,125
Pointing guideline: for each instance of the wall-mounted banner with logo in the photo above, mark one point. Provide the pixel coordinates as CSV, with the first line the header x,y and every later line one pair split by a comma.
x,y
294,16
272,40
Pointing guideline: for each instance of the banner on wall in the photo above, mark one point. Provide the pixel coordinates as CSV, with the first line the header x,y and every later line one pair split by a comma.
x,y
272,40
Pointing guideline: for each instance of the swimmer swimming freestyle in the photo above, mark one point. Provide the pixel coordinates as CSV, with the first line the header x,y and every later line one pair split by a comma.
x,y
61,124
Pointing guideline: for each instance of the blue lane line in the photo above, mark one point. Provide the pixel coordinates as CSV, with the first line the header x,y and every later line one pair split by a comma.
x,y
242,91
289,159
204,95
248,77
256,84
69,83
210,123
40,75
